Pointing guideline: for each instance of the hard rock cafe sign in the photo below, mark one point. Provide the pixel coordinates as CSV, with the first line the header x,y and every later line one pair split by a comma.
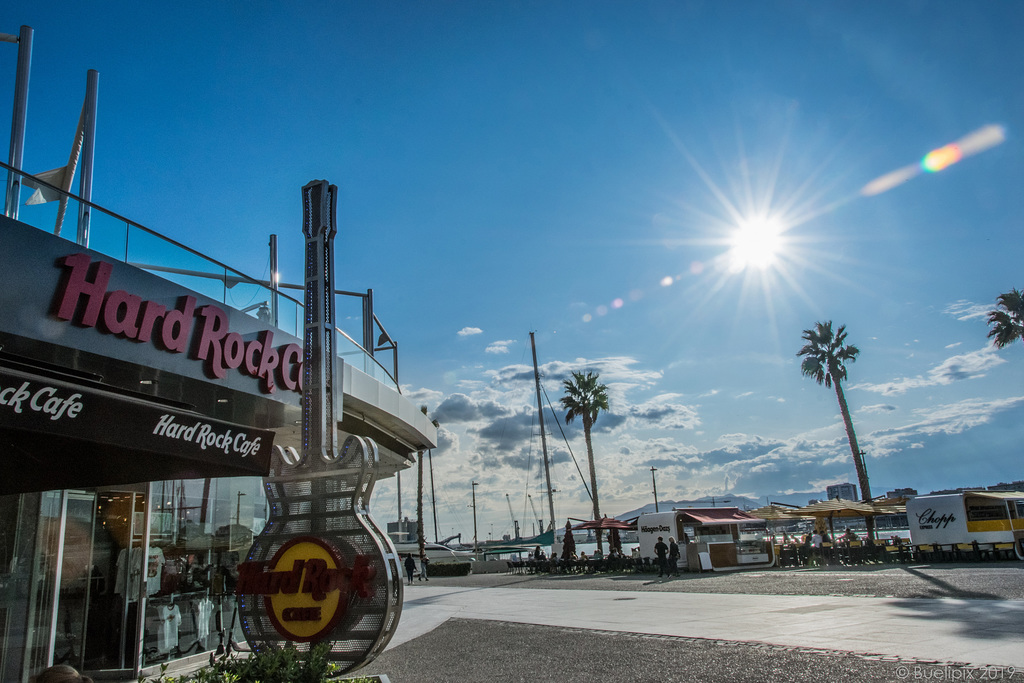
x,y
307,587
321,570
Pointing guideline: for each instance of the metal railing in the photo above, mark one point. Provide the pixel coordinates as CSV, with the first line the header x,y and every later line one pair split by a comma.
x,y
125,240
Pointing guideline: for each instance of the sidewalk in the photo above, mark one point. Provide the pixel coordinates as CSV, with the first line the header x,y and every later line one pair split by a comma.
x,y
975,632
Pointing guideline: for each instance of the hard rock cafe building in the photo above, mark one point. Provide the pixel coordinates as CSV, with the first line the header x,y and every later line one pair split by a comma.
x,y
143,398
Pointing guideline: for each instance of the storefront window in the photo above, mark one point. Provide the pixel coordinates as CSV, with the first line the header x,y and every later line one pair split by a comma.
x,y
123,578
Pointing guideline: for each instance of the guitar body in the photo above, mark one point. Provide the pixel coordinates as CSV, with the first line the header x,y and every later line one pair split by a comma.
x,y
326,502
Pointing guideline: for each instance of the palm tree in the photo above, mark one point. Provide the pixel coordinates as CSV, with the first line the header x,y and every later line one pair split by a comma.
x,y
585,398
1007,324
825,358
420,539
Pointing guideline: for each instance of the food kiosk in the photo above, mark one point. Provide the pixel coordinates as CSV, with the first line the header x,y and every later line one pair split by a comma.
x,y
716,539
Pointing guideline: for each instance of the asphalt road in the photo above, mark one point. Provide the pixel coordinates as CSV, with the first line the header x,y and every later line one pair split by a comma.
x,y
474,650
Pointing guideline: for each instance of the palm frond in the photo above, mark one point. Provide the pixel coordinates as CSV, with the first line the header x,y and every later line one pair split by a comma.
x,y
1007,324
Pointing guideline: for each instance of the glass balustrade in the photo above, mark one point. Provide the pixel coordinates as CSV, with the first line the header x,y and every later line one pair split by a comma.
x,y
126,241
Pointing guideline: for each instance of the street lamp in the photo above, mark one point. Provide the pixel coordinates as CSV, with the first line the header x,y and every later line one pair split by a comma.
x,y
655,483
475,484
238,508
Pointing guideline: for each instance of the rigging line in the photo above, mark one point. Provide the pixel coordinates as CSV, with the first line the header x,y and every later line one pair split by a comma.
x,y
529,468
582,478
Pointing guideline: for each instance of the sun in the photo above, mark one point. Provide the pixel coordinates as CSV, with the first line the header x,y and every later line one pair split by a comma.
x,y
756,243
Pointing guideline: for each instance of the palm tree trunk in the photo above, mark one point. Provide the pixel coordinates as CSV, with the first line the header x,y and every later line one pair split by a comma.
x,y
587,423
420,539
858,461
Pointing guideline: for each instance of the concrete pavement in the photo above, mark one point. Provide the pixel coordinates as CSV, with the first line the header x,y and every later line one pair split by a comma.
x,y
968,631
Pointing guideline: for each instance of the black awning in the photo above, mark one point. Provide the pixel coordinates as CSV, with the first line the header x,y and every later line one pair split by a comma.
x,y
57,434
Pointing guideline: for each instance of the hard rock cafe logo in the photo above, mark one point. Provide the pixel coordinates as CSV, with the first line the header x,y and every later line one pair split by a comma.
x,y
83,298
306,587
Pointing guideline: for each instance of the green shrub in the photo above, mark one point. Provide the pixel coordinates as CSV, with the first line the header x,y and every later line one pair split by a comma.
x,y
286,665
449,569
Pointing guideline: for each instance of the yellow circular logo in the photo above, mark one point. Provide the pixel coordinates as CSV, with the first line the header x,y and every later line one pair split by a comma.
x,y
306,587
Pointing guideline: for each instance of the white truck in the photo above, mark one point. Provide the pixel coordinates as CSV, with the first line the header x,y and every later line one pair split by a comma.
x,y
985,517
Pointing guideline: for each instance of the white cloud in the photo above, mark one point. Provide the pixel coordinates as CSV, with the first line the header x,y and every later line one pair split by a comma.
x,y
662,413
965,310
500,346
469,331
971,365
876,409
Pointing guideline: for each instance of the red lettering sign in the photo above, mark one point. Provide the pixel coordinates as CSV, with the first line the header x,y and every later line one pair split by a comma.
x,y
306,587
84,300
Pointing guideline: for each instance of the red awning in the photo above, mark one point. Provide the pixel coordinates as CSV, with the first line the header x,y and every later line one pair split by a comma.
x,y
717,515
605,523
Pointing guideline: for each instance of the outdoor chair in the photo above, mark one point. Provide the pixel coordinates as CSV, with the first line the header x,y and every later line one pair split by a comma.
x,y
967,551
1003,551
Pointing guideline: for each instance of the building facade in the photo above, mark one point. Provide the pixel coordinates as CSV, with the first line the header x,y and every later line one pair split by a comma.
x,y
846,491
140,407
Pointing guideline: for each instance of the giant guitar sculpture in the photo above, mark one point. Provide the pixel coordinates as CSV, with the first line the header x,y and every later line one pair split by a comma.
x,y
321,570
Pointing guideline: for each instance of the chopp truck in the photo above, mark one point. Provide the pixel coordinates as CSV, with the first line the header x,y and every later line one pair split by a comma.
x,y
982,516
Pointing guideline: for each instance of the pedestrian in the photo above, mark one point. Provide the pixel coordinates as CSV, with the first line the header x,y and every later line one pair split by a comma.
x,y
673,556
424,562
661,550
61,673
410,567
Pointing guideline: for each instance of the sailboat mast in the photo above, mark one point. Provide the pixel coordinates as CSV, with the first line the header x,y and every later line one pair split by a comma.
x,y
543,438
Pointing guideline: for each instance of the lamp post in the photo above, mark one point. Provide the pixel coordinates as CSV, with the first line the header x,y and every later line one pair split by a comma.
x,y
238,508
655,483
475,484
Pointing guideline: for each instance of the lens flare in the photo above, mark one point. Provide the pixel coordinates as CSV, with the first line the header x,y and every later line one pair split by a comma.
x,y
983,139
941,158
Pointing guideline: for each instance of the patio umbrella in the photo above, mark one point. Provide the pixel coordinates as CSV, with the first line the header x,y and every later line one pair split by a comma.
x,y
773,512
835,507
568,543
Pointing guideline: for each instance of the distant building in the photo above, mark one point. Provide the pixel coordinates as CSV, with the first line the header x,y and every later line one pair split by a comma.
x,y
901,493
845,491
1012,486
403,531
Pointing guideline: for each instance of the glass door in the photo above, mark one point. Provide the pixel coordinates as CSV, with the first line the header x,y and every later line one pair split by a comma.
x,y
116,561
75,581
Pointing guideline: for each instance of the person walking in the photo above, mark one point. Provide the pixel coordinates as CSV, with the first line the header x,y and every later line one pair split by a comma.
x,y
673,557
424,563
661,550
410,567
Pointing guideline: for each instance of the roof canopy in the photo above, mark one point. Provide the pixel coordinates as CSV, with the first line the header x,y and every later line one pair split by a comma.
x,y
606,523
717,515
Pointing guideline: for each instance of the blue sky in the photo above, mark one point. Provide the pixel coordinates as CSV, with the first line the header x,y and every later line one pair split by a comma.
x,y
578,169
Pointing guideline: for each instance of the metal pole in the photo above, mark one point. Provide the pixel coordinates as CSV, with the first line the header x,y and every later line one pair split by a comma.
x,y
274,278
368,338
433,499
655,482
475,484
543,438
88,154
18,119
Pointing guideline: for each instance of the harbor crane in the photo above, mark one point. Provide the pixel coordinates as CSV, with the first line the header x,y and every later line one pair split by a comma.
x,y
540,522
512,515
